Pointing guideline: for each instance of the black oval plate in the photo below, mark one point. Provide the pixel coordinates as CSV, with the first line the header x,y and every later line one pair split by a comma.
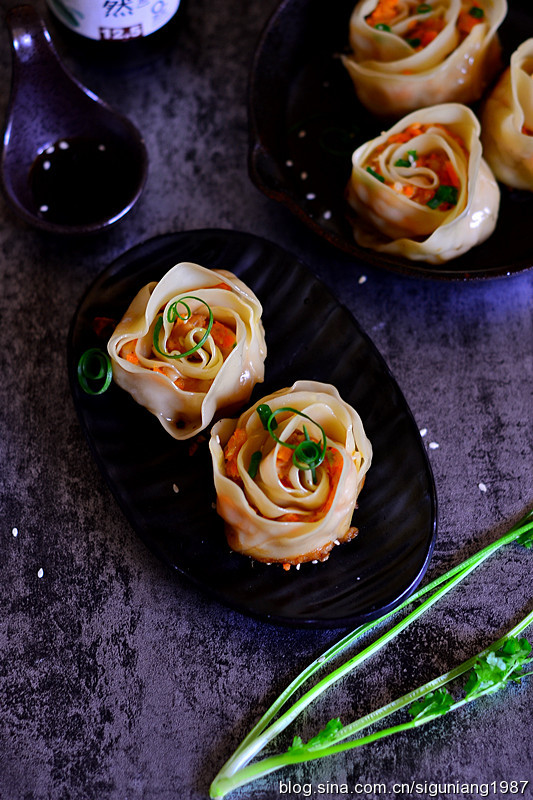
x,y
305,122
309,335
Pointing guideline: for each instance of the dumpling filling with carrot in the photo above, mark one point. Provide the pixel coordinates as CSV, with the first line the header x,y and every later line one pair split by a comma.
x,y
288,474
422,189
407,54
189,345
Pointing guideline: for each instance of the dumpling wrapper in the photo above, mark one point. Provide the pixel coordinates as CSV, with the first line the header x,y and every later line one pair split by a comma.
x,y
390,222
230,382
392,79
253,511
507,112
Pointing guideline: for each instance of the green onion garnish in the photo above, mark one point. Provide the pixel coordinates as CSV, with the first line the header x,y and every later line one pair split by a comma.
x,y
265,412
476,12
172,315
307,454
94,366
413,42
413,154
254,463
444,194
402,162
423,8
382,27
375,174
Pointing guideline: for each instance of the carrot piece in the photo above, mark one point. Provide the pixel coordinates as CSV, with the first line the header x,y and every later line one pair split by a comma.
x,y
222,286
132,358
223,337
231,451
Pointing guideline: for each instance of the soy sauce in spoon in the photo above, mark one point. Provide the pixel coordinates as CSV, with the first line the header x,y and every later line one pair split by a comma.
x,y
81,180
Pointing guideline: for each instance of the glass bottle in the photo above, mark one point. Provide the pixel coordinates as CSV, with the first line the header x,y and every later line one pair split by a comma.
x,y
116,30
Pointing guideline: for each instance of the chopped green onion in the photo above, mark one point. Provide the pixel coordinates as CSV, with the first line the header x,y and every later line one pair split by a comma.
x,y
424,8
94,366
254,463
172,315
402,162
413,154
444,194
375,174
307,454
413,42
382,27
476,12
265,412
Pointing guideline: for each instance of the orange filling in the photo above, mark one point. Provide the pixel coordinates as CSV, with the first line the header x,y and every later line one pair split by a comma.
x,y
421,32
436,161
332,461
223,336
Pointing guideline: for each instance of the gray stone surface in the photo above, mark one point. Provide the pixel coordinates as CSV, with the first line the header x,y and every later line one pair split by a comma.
x,y
119,681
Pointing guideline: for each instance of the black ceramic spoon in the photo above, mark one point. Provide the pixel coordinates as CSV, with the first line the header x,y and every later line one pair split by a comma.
x,y
70,163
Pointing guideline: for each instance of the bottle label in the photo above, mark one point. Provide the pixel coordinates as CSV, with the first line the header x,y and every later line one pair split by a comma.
x,y
114,20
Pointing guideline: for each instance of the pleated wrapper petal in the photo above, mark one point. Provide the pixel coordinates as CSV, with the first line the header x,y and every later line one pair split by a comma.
x,y
507,122
296,519
156,381
391,78
389,221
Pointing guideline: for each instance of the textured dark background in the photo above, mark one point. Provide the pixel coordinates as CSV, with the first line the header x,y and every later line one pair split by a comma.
x,y
119,681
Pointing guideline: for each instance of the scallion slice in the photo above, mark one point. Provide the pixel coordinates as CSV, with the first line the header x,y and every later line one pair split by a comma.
x,y
255,460
375,174
172,315
444,194
307,454
476,12
94,367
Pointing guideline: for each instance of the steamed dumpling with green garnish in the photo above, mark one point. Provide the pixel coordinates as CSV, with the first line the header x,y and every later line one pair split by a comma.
x,y
407,54
189,345
288,473
507,122
422,189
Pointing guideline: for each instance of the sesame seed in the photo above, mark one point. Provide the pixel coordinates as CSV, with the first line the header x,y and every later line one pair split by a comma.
x,y
303,176
46,165
15,532
434,445
482,487
310,196
63,145
289,163
362,279
423,431
327,214
298,566
336,541
302,134
43,209
40,573
175,488
101,147
315,561
50,149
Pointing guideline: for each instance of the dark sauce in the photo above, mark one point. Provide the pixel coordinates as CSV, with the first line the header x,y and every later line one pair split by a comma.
x,y
80,181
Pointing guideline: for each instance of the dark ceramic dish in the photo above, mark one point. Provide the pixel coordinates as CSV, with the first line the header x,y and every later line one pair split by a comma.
x,y
305,122
47,106
142,463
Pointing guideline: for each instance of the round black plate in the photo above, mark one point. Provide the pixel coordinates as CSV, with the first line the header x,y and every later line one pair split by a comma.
x,y
309,335
305,122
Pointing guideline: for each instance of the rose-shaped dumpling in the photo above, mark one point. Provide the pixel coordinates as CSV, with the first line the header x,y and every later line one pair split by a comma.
x,y
422,189
408,54
288,472
507,122
189,345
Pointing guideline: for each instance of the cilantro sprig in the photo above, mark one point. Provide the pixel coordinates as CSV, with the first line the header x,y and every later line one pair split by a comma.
x,y
487,672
